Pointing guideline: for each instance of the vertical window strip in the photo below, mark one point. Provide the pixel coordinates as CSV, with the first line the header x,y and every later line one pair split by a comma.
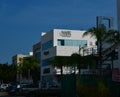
x,y
47,45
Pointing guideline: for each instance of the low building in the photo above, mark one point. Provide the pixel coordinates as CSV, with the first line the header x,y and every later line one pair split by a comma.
x,y
17,61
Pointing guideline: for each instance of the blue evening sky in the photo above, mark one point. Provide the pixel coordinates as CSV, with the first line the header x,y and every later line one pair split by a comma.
x,y
22,21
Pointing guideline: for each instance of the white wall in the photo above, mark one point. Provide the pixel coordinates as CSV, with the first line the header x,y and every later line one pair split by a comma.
x,y
75,35
56,50
66,50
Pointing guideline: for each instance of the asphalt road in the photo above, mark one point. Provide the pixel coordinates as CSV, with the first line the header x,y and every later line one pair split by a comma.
x,y
10,96
5,94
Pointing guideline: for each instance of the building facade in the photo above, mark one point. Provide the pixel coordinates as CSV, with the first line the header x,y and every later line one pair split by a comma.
x,y
17,61
62,42
118,17
37,51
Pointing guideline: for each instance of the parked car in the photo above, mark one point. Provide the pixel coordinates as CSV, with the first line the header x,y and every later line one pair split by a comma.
x,y
22,89
3,87
12,89
25,89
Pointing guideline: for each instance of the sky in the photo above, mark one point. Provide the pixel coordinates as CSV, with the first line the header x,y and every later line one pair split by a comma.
x,y
22,21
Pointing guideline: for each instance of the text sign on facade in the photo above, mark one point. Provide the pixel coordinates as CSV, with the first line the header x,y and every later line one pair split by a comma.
x,y
116,75
65,33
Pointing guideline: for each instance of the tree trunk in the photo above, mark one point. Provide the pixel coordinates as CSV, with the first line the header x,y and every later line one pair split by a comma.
x,y
100,56
61,70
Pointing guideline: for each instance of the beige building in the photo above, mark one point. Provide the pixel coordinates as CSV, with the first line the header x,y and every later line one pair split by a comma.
x,y
16,60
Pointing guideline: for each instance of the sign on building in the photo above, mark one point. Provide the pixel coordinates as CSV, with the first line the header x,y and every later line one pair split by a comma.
x,y
116,75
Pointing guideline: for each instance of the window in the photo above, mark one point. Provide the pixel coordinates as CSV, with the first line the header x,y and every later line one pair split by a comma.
x,y
46,62
46,70
47,45
46,52
61,42
81,43
38,56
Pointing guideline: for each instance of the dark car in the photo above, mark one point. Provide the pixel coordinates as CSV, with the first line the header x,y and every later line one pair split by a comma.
x,y
12,89
25,89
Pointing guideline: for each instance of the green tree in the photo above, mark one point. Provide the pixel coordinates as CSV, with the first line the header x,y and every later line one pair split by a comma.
x,y
76,60
12,71
29,66
103,35
4,72
59,62
113,37
89,60
7,73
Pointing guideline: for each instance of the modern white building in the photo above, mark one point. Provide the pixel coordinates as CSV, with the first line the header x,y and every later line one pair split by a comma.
x,y
62,42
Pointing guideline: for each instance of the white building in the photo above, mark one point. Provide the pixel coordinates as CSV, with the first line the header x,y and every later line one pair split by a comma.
x,y
61,42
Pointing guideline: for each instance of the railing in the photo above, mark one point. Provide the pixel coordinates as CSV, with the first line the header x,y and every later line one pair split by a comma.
x,y
110,49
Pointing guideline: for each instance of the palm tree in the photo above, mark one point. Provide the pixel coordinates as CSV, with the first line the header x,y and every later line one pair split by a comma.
x,y
79,61
103,35
28,67
76,60
113,37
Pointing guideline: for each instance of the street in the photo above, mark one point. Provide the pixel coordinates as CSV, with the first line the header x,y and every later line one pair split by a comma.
x,y
5,94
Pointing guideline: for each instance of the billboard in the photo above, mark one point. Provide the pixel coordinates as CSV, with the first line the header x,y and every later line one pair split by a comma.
x,y
116,74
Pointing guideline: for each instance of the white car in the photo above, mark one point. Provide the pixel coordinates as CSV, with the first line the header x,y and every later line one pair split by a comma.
x,y
3,87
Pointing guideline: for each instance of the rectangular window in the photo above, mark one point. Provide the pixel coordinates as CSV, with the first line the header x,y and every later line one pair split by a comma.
x,y
62,42
46,70
47,45
81,43
46,62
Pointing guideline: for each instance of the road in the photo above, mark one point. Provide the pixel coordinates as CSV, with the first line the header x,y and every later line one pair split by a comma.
x,y
5,94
